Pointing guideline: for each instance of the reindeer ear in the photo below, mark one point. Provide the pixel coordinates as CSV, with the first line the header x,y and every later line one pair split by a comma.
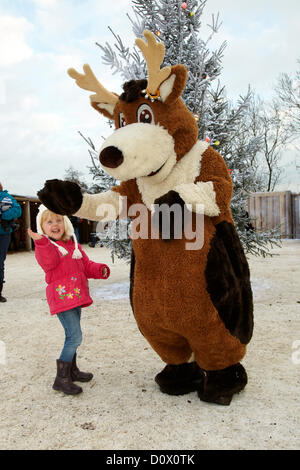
x,y
107,109
172,88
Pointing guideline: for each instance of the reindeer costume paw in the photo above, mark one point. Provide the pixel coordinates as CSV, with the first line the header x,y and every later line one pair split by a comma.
x,y
61,197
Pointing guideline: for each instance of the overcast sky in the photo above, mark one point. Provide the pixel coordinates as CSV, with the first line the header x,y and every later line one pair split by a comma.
x,y
40,108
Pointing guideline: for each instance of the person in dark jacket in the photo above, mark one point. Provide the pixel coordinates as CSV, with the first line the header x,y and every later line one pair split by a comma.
x,y
9,210
75,221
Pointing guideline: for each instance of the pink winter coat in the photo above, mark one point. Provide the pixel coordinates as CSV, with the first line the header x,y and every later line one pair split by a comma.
x,y
67,278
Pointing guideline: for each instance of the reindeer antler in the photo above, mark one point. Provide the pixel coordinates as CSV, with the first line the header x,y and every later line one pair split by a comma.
x,y
88,81
154,53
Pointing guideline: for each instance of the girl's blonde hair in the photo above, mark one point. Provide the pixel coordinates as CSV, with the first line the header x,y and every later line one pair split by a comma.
x,y
46,214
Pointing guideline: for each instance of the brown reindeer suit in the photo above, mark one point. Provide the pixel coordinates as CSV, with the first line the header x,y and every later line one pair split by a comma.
x,y
194,306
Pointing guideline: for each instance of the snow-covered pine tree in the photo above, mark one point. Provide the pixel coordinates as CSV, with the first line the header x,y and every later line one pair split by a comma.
x,y
223,124
76,176
229,133
114,235
178,27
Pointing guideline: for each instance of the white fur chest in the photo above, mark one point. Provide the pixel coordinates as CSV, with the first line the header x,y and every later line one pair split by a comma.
x,y
185,171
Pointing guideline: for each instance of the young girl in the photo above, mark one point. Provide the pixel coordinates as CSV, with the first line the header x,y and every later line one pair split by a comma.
x,y
67,269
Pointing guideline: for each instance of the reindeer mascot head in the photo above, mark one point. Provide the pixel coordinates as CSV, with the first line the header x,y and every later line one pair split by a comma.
x,y
193,305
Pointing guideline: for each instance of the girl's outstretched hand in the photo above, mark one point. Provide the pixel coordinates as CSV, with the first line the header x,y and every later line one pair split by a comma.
x,y
34,235
105,273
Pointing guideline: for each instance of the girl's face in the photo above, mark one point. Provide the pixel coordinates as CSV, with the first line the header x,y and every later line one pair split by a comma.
x,y
54,226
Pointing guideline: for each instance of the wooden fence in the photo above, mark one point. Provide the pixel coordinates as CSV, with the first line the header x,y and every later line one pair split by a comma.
x,y
276,210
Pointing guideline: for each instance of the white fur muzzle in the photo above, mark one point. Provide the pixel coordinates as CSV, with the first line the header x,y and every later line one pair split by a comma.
x,y
146,148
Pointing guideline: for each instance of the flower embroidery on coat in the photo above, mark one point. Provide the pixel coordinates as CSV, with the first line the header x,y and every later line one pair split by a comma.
x,y
62,292
61,289
77,292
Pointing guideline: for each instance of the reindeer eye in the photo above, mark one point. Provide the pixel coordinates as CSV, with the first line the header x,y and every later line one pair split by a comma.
x,y
122,121
145,114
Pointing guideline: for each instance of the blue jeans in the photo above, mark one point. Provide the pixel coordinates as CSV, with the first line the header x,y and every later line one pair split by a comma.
x,y
70,320
4,244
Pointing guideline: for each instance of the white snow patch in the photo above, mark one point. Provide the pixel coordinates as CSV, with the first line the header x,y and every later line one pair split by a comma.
x,y
114,291
260,285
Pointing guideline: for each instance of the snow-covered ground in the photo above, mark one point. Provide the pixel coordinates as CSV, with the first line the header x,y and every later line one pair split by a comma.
x,y
114,291
122,407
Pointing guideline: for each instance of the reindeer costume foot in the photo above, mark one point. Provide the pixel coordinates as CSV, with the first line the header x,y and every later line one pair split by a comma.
x,y
180,379
220,385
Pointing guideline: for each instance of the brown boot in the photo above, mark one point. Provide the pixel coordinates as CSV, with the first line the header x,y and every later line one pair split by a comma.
x,y
77,375
63,381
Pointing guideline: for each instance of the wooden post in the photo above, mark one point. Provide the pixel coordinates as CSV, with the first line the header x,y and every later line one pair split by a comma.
x,y
296,215
258,213
251,211
288,210
285,214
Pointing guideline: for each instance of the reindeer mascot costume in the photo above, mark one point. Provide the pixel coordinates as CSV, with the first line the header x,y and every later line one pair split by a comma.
x,y
194,306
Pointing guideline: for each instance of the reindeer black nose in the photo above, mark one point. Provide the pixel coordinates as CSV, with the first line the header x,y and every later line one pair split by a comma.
x,y
111,157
